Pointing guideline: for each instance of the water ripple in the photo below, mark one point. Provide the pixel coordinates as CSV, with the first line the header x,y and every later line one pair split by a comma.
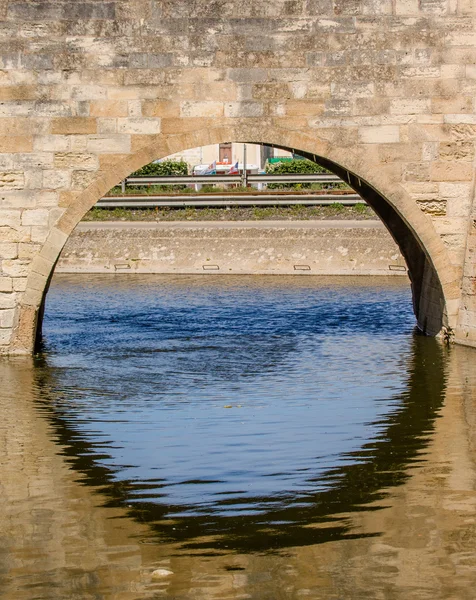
x,y
224,406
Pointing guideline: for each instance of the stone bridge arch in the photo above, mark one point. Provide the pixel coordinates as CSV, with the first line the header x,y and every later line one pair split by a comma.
x,y
380,91
434,280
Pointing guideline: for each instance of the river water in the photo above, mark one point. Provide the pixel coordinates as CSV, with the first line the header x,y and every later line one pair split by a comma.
x,y
237,437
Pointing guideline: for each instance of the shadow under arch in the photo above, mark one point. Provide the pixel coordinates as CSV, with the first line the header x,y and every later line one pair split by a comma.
x,y
427,291
298,519
435,282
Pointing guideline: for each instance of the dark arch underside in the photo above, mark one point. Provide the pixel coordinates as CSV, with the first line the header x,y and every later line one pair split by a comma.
x,y
427,291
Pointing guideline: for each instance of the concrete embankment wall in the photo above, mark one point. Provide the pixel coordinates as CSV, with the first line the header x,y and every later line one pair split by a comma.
x,y
265,247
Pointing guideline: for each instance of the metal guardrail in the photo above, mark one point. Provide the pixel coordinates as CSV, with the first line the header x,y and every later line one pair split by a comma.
x,y
142,201
183,180
201,179
311,178
254,198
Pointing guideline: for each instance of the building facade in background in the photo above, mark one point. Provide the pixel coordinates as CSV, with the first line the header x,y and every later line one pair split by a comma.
x,y
229,153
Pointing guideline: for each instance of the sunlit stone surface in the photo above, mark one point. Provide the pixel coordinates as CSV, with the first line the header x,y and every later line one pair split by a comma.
x,y
379,91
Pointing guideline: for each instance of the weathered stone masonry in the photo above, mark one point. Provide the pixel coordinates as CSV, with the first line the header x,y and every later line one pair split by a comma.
x,y
243,247
381,91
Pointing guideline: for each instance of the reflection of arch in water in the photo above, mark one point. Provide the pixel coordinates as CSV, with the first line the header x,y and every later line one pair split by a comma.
x,y
293,520
435,282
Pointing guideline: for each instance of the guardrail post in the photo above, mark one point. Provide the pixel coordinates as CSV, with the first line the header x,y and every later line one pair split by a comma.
x,y
245,172
123,186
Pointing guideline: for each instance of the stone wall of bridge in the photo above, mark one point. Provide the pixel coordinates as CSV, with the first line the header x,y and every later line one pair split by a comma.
x,y
243,247
380,91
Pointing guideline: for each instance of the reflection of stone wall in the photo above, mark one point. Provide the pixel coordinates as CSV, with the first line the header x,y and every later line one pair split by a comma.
x,y
57,541
275,248
427,542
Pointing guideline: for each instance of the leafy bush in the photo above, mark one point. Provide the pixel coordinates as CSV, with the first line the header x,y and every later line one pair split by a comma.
x,y
166,168
295,166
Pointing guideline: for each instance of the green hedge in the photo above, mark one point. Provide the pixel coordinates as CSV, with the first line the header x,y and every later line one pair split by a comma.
x,y
166,168
297,165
